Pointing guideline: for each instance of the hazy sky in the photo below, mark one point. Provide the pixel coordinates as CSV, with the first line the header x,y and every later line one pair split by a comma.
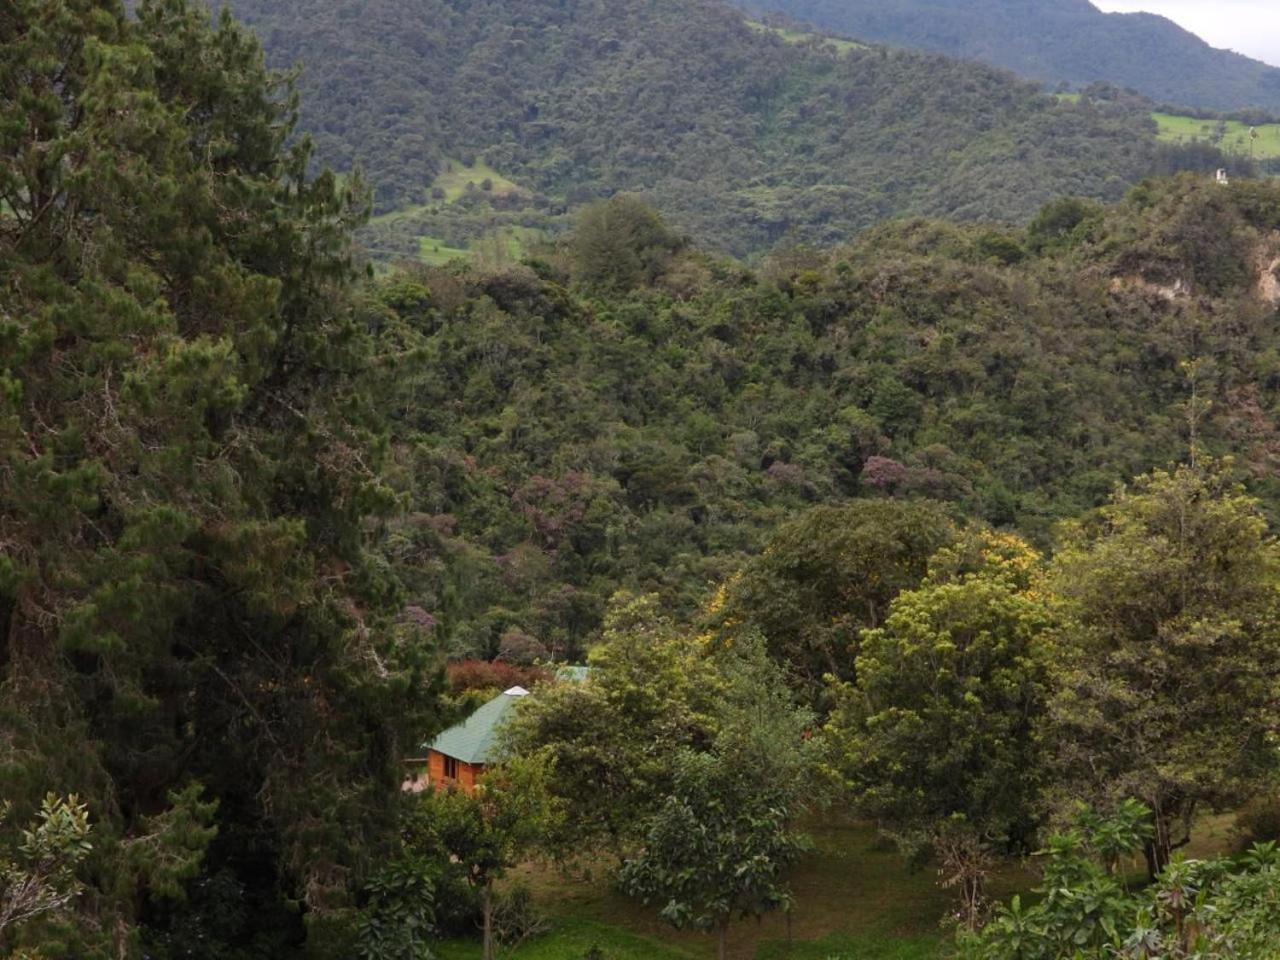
x,y
1250,27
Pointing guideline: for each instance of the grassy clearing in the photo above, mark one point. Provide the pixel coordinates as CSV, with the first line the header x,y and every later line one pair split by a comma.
x,y
571,939
852,948
456,177
436,253
799,36
855,900
1231,136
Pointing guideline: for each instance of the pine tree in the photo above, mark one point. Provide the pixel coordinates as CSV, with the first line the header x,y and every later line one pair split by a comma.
x,y
191,632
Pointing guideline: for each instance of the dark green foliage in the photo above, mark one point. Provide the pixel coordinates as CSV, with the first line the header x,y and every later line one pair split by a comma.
x,y
557,445
739,138
830,575
619,244
189,617
1056,41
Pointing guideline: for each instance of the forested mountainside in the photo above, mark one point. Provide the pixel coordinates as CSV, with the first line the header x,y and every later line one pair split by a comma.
x,y
253,497
738,136
1057,41
578,426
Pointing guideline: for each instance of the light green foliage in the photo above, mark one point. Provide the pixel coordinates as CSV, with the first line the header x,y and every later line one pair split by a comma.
x,y
457,179
1207,910
803,36
610,739
39,877
1167,667
1232,136
718,846
940,740
508,819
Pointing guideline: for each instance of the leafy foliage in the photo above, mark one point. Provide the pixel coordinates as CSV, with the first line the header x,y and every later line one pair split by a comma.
x,y
1168,670
1212,910
940,739
41,877
557,445
717,847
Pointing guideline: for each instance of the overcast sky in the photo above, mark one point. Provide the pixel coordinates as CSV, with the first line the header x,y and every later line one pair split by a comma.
x,y
1250,27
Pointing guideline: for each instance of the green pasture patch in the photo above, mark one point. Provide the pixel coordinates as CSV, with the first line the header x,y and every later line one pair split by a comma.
x,y
456,178
800,36
570,940
435,253
1231,136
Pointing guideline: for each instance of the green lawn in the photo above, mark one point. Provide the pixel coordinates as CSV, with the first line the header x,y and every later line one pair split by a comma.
x,y
456,177
435,253
838,947
571,939
798,36
855,900
1231,135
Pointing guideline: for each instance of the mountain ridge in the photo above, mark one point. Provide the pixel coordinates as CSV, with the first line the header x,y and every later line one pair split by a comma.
x,y
1063,41
739,137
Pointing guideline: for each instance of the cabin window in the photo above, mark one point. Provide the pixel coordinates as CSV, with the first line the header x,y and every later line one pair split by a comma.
x,y
450,768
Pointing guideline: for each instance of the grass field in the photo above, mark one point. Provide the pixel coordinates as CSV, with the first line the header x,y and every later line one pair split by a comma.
x,y
1231,136
798,36
456,177
436,253
856,900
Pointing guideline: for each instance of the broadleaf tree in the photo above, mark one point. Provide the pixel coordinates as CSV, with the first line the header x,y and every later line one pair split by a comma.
x,y
1168,670
719,845
940,740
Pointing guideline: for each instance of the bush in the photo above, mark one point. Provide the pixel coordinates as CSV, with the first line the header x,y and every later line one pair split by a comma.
x,y
516,917
465,675
1259,822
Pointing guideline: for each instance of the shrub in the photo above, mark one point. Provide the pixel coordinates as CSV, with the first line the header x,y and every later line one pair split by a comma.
x,y
465,675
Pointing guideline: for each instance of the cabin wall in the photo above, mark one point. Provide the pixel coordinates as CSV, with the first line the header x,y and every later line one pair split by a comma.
x,y
468,773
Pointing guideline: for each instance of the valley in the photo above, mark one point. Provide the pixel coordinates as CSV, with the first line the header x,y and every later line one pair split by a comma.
x,y
636,480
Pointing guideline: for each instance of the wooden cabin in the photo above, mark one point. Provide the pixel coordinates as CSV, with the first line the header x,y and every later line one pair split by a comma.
x,y
457,757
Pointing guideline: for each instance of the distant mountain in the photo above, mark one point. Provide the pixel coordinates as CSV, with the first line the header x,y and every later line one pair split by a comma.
x,y
741,136
1056,41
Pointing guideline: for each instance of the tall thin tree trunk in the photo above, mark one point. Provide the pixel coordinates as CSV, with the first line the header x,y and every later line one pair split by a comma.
x,y
723,940
487,901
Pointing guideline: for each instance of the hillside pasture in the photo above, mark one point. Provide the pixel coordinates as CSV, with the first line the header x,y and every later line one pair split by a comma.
x,y
800,36
1231,136
456,178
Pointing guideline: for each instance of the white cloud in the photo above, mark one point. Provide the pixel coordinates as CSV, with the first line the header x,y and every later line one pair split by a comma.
x,y
1251,27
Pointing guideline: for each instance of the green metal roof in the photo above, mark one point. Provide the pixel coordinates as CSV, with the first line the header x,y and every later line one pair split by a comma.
x,y
471,740
573,674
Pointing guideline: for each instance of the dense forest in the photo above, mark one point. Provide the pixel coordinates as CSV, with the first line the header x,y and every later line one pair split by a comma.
x,y
1057,41
954,535
739,137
